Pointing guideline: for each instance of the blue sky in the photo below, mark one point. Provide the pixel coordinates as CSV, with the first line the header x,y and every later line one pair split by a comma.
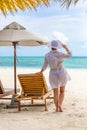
x,y
54,22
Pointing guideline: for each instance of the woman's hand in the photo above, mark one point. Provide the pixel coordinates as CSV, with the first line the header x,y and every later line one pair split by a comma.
x,y
65,47
38,72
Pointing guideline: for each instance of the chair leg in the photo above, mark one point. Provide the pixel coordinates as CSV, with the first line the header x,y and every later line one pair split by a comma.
x,y
45,105
32,101
19,106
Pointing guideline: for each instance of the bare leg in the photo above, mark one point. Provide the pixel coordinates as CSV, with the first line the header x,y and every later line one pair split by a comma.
x,y
61,97
55,90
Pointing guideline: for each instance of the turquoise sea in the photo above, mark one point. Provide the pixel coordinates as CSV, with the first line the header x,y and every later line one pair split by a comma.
x,y
37,62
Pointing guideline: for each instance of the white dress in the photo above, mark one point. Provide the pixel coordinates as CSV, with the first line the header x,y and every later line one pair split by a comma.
x,y
58,75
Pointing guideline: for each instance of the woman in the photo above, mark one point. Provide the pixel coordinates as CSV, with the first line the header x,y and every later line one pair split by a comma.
x,y
58,75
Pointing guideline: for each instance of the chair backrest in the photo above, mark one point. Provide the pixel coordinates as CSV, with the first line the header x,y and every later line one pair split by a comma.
x,y
33,84
1,88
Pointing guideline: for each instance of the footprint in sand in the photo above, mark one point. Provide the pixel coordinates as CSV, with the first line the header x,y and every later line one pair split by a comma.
x,y
80,114
73,104
77,115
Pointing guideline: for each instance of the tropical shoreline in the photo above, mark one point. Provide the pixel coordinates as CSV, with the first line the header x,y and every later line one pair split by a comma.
x,y
75,62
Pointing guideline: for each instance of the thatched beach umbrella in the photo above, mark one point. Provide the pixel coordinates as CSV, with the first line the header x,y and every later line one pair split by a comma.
x,y
15,34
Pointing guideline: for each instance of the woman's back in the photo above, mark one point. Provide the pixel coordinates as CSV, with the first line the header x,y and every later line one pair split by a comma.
x,y
55,59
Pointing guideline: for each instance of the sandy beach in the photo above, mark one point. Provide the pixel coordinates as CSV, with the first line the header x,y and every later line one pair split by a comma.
x,y
74,116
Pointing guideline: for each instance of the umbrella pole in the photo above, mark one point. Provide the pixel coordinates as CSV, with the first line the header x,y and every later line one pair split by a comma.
x,y
14,103
15,89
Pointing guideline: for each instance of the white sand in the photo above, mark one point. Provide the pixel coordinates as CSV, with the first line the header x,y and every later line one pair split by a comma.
x,y
74,116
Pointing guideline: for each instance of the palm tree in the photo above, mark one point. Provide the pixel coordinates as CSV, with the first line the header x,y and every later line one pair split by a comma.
x,y
14,5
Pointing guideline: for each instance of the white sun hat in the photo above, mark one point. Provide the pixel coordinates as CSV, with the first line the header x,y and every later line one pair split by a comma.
x,y
55,44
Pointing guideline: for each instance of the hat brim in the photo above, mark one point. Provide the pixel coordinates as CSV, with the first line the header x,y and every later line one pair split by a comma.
x,y
59,45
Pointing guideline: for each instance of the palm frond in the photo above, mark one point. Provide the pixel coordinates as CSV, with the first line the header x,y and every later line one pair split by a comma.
x,y
13,5
67,3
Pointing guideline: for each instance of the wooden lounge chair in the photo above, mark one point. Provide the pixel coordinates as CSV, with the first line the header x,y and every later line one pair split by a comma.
x,y
4,92
33,88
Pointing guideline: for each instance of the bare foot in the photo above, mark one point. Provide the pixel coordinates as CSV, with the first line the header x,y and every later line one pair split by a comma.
x,y
56,109
60,108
